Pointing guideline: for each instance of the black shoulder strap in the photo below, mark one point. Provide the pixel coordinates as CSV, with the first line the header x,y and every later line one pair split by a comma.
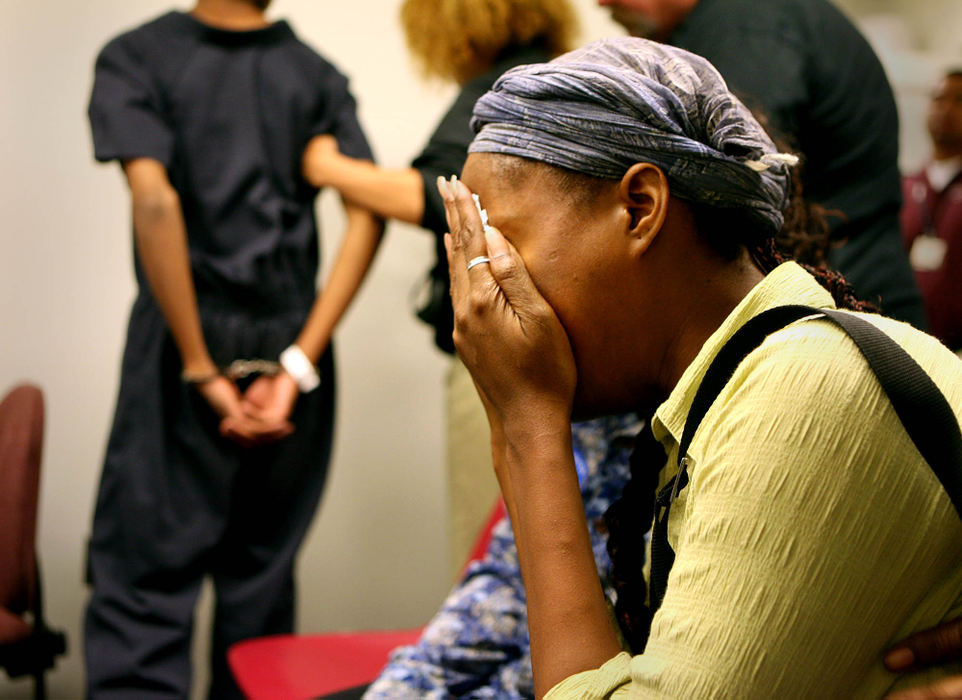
x,y
925,413
918,402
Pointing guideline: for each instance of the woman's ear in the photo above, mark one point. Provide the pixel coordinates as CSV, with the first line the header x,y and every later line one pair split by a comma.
x,y
644,194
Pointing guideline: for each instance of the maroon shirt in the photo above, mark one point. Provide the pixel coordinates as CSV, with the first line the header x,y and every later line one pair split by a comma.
x,y
925,211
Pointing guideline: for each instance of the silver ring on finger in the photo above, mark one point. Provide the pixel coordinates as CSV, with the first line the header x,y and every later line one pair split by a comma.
x,y
480,260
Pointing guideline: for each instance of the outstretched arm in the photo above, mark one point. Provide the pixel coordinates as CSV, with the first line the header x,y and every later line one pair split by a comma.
x,y
360,243
391,193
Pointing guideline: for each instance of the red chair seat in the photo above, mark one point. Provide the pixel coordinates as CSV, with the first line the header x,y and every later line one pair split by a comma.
x,y
296,667
27,646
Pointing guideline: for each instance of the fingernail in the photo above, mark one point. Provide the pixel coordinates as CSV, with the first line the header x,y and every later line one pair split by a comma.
x,y
494,242
900,658
444,188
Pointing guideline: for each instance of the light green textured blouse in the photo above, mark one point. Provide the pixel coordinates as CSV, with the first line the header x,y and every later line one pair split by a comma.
x,y
811,536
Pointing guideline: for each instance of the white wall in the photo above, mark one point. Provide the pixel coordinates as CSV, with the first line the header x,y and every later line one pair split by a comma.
x,y
376,554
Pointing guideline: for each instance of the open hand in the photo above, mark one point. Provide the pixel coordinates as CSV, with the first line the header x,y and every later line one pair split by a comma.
x,y
505,332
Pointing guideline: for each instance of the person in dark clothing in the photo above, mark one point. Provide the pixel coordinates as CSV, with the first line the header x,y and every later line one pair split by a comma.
x,y
473,54
209,114
809,70
444,153
471,43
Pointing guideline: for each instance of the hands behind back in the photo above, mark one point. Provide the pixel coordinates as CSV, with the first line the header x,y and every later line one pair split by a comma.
x,y
269,401
257,417
506,334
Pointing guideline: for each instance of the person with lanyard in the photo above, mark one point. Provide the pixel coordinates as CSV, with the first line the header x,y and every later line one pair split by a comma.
x,y
932,215
820,86
632,204
222,433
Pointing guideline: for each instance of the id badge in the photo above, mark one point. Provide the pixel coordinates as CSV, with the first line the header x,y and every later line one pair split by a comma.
x,y
927,253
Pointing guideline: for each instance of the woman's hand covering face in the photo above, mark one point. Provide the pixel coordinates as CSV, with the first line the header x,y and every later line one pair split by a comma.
x,y
505,332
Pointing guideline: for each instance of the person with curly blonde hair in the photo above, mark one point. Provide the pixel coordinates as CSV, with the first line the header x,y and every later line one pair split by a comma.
x,y
477,643
471,43
461,39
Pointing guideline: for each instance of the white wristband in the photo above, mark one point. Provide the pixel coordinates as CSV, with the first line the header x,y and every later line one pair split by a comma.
x,y
301,369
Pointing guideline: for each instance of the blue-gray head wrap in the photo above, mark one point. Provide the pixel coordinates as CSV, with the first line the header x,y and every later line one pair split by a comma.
x,y
616,102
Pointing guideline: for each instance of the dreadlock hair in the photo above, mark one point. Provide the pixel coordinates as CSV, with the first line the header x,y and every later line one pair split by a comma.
x,y
625,520
804,237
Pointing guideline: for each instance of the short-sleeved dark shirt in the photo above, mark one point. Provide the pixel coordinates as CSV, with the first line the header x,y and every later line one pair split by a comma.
x,y
821,85
229,114
443,156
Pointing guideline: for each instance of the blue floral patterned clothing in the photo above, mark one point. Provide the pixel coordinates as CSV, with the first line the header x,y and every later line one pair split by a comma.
x,y
477,645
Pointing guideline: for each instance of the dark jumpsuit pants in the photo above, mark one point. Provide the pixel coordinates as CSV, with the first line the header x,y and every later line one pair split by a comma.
x,y
177,501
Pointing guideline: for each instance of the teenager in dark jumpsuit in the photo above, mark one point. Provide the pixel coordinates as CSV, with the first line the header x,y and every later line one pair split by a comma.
x,y
191,487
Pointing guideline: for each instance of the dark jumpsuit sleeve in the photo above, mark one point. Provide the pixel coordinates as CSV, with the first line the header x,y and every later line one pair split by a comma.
x,y
126,111
337,116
